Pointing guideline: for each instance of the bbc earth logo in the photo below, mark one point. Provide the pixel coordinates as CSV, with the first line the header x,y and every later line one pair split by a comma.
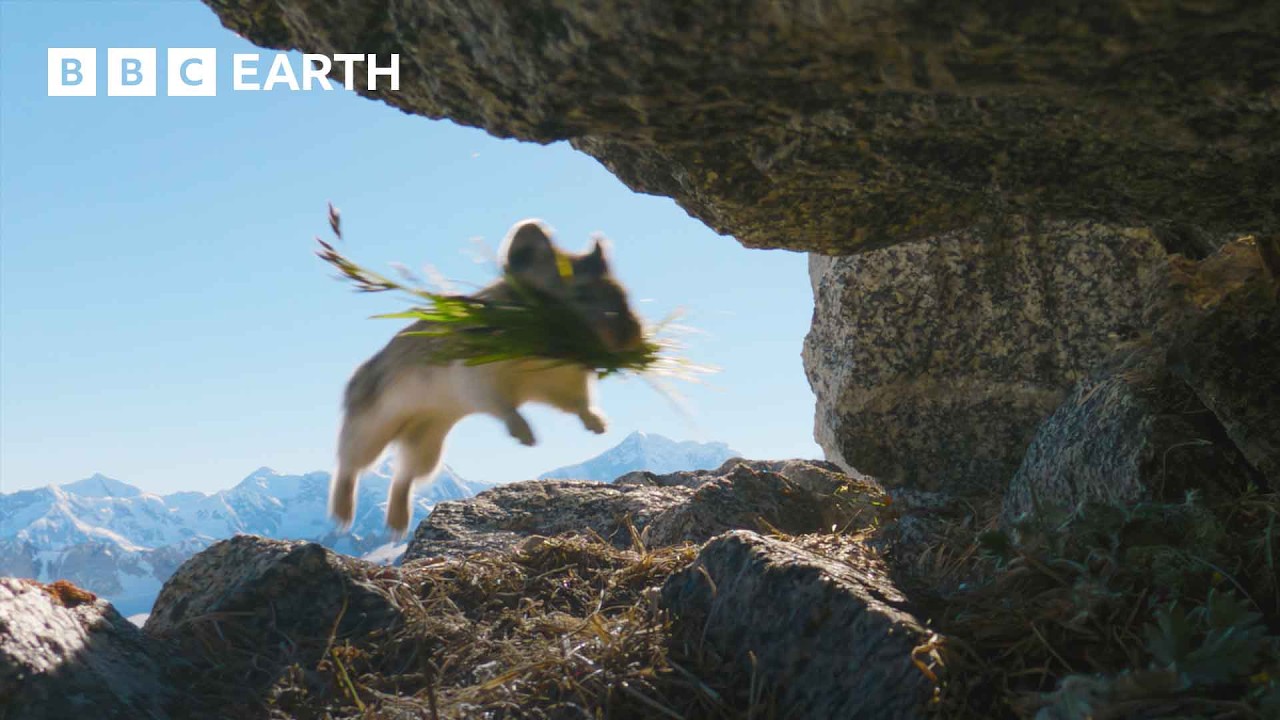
x,y
193,72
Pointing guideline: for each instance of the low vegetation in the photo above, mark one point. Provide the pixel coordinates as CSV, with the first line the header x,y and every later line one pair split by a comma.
x,y
1159,610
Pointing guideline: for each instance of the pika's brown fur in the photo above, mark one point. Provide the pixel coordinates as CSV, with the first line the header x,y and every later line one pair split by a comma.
x,y
399,396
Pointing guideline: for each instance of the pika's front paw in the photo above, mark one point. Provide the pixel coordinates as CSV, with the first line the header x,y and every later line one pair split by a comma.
x,y
519,429
595,422
342,513
398,519
342,500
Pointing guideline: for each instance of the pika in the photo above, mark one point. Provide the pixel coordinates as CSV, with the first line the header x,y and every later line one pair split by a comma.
x,y
399,396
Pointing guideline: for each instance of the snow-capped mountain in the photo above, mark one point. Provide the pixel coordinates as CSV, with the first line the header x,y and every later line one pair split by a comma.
x,y
120,542
645,451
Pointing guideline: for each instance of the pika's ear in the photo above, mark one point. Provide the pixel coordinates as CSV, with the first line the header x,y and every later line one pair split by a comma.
x,y
527,250
596,261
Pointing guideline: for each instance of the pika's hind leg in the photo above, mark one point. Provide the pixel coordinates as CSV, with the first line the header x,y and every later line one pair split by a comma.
x,y
364,435
418,456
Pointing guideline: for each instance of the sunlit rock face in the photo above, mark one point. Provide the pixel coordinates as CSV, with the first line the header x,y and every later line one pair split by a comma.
x,y
839,127
65,653
934,361
1081,360
794,496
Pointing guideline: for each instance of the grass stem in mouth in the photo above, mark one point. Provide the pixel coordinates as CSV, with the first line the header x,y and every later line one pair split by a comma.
x,y
533,324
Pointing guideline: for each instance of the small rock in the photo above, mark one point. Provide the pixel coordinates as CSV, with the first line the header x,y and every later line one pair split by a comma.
x,y
1230,358
247,607
818,476
833,640
934,361
64,653
1193,405
1127,433
500,518
745,498
669,509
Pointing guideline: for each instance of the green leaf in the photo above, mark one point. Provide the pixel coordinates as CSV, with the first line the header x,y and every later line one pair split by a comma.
x,y
1222,610
1225,655
1169,640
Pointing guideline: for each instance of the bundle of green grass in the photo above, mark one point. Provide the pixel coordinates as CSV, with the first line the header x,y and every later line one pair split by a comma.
x,y
535,324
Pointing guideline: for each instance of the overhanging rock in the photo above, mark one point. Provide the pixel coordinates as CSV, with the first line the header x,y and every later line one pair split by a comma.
x,y
838,127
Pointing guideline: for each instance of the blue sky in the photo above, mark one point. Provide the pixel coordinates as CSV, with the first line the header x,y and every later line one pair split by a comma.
x,y
163,319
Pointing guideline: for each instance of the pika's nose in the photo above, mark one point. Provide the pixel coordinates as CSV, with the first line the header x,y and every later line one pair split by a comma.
x,y
631,335
621,332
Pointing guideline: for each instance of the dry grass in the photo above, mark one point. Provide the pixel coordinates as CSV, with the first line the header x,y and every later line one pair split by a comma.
x,y
1060,612
1054,617
562,628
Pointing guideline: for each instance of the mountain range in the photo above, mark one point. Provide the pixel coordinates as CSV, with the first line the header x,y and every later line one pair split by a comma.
x,y
122,543
645,451
118,541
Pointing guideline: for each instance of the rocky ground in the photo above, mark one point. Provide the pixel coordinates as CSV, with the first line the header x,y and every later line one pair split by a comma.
x,y
1046,328
641,598
762,589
